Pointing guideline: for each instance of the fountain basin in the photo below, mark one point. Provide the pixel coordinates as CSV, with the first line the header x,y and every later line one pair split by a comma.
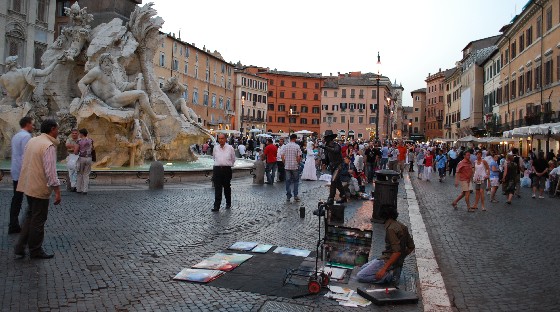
x,y
175,172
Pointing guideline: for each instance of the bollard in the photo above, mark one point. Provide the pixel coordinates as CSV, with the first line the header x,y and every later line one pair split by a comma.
x,y
302,211
259,172
156,176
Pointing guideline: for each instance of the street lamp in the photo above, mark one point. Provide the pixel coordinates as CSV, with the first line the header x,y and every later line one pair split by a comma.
x,y
389,112
242,110
377,96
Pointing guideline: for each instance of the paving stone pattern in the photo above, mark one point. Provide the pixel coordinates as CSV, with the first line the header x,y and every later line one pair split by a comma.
x,y
118,248
504,259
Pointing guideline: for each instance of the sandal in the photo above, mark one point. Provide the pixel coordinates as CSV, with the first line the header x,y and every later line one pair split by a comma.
x,y
454,205
471,209
494,201
483,209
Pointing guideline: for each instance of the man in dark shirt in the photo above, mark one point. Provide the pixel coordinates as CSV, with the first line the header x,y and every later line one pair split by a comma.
x,y
398,245
540,168
370,161
334,155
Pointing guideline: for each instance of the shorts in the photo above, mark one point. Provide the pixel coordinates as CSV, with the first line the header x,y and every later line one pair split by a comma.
x,y
441,172
478,186
539,182
494,181
465,187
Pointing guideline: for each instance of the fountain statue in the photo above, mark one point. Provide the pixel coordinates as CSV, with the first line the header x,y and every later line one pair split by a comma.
x,y
103,79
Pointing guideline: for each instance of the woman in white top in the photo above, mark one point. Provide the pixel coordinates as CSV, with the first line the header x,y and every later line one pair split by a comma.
x,y
481,173
309,169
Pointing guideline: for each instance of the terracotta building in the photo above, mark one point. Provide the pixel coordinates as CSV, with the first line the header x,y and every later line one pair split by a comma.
x,y
294,100
103,11
434,105
349,105
206,76
406,121
418,114
452,107
250,102
27,29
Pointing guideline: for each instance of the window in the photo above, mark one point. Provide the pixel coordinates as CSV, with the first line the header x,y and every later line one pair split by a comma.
x,y
351,119
360,119
325,107
196,72
548,72
271,107
207,75
335,108
304,109
371,120
281,94
352,93
361,93
315,110
195,96
281,83
303,121
315,121
305,96
549,18
162,59
415,119
281,108
271,81
281,119
228,104
293,95
221,102
374,94
539,26
521,43
175,65
528,80
292,120
538,75
205,99
316,85
343,93
186,68
520,81
513,50
60,5
343,119
316,97
269,118
305,85
293,84
335,93
19,6
42,11
325,93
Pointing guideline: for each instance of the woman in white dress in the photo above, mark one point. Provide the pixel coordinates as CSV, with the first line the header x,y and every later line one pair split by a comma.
x,y
309,169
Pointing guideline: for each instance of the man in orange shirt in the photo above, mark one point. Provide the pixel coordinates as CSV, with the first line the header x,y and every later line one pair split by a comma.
x,y
463,178
270,153
402,157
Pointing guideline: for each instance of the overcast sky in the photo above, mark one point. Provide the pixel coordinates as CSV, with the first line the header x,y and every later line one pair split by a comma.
x,y
414,38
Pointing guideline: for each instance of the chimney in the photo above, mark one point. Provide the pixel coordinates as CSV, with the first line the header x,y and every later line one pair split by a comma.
x,y
330,74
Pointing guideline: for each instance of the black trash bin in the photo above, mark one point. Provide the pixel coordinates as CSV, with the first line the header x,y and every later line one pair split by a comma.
x,y
386,190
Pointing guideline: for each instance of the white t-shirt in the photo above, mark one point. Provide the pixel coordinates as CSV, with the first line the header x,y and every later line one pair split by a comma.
x,y
241,149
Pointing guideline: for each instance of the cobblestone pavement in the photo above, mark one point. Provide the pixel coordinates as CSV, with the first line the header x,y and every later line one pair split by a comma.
x,y
504,259
119,247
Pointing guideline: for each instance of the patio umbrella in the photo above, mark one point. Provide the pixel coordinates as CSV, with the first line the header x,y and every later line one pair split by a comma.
x,y
303,132
255,131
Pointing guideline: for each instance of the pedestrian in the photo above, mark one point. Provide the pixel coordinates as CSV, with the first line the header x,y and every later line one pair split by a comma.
x,y
19,140
420,163
279,162
540,169
224,159
428,165
72,159
411,157
441,161
384,156
494,178
84,149
401,157
511,173
38,179
291,157
335,163
242,150
269,154
453,160
463,179
481,173
205,147
309,169
393,157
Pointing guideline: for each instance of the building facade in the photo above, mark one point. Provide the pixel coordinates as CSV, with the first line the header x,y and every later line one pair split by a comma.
x,y
531,73
472,85
349,105
103,11
452,108
251,92
27,28
434,105
407,122
206,77
418,115
293,101
492,92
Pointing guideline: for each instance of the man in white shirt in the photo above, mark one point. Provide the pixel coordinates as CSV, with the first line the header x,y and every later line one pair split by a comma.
x,y
279,162
241,149
224,158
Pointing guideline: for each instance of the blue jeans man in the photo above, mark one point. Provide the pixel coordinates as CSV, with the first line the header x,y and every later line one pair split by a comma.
x,y
270,170
292,177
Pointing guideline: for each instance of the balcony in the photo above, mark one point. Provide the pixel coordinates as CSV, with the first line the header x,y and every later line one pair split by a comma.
x,y
230,113
533,119
293,113
439,118
549,117
447,126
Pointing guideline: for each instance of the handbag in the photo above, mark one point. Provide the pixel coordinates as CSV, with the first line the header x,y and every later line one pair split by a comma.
x,y
93,154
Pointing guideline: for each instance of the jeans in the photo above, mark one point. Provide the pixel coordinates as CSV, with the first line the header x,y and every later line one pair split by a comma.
x,y
384,162
281,171
369,171
292,177
368,271
15,208
270,170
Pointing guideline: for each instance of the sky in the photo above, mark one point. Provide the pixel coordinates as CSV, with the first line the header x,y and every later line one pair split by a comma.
x,y
414,38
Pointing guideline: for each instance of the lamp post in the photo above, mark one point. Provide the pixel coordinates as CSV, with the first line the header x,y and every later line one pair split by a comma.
x,y
377,96
389,116
242,110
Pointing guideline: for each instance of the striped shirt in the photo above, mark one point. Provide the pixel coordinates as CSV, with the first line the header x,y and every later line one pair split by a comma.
x,y
49,165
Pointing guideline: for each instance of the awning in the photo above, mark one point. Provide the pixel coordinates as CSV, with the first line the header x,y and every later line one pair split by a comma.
x,y
555,129
468,138
527,131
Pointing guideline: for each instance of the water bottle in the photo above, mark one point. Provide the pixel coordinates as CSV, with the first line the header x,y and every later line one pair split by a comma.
x,y
302,212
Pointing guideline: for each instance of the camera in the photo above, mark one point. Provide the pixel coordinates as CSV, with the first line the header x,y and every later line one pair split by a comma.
x,y
321,208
